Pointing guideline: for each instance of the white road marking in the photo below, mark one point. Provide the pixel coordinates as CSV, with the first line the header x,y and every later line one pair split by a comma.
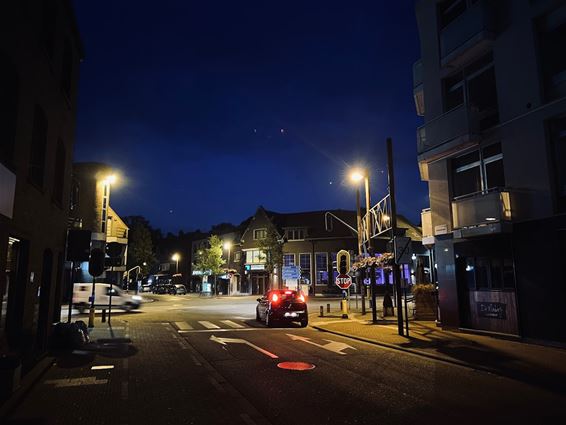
x,y
232,330
334,346
102,367
183,326
225,341
208,325
232,324
76,382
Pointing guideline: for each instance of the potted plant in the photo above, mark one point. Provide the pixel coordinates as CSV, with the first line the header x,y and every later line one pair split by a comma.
x,y
425,301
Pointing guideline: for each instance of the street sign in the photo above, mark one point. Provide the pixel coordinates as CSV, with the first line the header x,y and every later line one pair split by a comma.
x,y
402,246
343,281
291,272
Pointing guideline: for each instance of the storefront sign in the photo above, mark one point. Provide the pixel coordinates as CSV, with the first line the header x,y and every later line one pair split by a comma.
x,y
492,310
257,267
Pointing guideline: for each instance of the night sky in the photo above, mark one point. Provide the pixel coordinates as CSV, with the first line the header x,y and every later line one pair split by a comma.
x,y
211,108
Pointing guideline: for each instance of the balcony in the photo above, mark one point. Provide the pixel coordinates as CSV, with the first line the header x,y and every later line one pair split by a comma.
x,y
469,35
460,122
418,90
428,233
482,213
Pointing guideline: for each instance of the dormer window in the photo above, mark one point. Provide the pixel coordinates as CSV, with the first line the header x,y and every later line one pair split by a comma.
x,y
260,234
296,234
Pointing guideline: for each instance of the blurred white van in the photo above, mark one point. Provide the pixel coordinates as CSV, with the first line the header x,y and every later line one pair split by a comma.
x,y
83,291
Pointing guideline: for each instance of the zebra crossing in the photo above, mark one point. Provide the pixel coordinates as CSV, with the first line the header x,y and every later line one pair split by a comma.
x,y
213,325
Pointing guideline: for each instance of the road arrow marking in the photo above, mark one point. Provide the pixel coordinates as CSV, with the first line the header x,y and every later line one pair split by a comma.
x,y
334,346
225,341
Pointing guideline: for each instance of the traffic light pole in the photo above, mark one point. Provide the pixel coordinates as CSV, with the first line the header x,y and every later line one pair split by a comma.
x,y
396,271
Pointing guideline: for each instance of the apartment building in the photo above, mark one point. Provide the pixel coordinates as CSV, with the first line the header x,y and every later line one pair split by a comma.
x,y
40,52
491,86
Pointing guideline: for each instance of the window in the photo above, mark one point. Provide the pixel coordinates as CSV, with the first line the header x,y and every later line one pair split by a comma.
x,y
295,234
558,141
260,234
551,30
478,171
237,256
321,259
255,256
9,97
305,264
474,86
38,148
489,273
67,71
49,25
288,259
59,178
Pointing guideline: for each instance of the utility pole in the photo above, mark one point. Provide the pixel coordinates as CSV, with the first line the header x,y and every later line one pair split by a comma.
x,y
396,271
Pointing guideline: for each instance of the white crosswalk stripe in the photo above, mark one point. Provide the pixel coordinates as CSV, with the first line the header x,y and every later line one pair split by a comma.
x,y
208,325
232,324
183,326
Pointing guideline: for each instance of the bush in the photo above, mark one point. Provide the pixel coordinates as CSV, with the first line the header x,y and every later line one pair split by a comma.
x,y
423,289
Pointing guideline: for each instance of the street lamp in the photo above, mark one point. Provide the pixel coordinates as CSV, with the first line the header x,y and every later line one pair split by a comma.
x,y
357,175
176,257
228,247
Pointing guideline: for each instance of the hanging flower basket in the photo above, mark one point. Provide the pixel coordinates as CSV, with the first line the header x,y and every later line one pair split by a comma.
x,y
382,261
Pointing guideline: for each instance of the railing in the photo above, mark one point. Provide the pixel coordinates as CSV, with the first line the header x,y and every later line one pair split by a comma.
x,y
476,24
457,122
481,208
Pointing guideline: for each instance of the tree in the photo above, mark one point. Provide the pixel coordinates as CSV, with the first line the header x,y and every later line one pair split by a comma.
x,y
209,261
140,249
272,248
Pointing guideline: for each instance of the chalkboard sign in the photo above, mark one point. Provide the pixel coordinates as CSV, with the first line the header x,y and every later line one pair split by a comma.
x,y
492,310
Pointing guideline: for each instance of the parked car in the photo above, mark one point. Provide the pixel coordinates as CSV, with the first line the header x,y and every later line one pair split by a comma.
x,y
282,305
83,291
178,289
161,288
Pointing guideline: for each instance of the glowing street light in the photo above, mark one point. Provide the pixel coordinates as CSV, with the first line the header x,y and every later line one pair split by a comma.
x,y
356,176
176,257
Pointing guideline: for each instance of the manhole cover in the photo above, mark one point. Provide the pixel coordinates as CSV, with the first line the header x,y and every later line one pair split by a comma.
x,y
295,366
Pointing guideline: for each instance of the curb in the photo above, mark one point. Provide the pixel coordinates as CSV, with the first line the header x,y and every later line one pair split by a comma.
x,y
411,351
25,386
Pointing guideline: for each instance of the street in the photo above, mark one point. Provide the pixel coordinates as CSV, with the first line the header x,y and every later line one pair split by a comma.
x,y
191,360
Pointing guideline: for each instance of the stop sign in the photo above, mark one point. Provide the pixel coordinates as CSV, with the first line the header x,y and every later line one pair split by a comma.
x,y
343,281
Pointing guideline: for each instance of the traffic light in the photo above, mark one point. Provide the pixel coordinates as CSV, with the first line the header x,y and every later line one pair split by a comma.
x,y
343,262
96,262
115,252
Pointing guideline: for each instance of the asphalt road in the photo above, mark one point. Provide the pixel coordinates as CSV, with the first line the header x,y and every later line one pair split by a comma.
x,y
185,359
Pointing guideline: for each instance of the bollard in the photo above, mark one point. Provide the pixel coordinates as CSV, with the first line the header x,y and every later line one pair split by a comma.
x,y
328,308
344,309
321,311
103,315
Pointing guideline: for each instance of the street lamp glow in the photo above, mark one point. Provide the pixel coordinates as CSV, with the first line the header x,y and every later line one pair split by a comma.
x,y
227,245
356,176
176,257
111,179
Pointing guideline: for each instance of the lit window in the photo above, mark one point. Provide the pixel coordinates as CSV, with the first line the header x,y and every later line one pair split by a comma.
x,y
260,234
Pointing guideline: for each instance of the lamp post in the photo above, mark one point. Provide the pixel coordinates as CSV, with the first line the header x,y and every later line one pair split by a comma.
x,y
228,247
176,257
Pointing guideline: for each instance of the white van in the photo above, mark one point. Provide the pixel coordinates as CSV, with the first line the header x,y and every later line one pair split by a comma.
x,y
83,291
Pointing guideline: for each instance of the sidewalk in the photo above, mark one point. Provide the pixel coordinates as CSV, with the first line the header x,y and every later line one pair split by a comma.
x,y
533,364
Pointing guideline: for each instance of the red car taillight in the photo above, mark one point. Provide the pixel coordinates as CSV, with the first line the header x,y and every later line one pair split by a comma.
x,y
301,298
274,298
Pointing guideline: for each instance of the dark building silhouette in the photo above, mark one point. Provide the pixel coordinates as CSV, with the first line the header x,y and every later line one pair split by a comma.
x,y
40,53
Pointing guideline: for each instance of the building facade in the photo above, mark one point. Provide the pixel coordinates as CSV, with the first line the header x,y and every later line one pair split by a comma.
x,y
90,210
309,240
40,52
491,85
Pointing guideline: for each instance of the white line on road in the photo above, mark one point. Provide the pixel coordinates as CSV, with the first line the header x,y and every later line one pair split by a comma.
x,y
232,324
183,326
334,346
208,325
224,341
196,331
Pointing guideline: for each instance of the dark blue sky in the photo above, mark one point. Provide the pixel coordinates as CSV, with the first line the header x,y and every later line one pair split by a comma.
x,y
211,108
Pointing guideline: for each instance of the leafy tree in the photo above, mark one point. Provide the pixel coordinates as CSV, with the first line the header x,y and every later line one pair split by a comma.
x,y
272,248
209,260
140,249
